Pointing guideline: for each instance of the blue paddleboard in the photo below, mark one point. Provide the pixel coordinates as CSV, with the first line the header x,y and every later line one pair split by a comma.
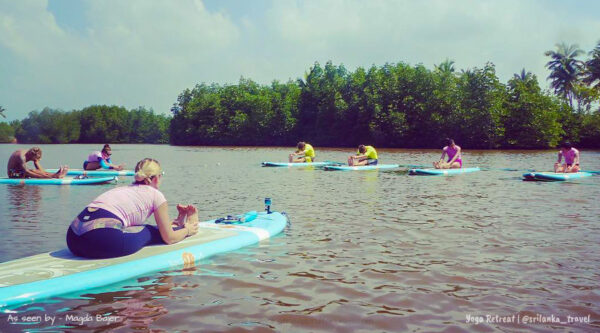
x,y
553,176
440,172
361,167
57,181
96,173
303,164
50,274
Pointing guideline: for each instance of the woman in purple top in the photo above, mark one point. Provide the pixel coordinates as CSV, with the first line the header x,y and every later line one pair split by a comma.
x,y
454,157
571,156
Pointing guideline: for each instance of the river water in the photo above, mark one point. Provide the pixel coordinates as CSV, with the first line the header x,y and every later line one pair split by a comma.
x,y
364,251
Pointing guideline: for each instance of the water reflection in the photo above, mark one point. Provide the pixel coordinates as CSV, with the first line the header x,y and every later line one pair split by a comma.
x,y
372,251
24,202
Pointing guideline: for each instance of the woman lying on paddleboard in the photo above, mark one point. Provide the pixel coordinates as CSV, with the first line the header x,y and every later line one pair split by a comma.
x,y
454,157
101,159
571,156
113,224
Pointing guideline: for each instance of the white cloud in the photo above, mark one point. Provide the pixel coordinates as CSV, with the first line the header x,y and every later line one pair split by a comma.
x,y
140,52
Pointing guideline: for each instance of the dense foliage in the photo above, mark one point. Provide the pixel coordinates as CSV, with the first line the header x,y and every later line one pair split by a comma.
x,y
394,105
397,105
93,124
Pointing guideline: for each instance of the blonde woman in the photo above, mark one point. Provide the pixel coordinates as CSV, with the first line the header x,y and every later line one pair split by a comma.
x,y
112,225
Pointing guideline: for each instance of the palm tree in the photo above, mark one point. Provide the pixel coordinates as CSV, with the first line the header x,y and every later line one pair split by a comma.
x,y
2,112
592,68
523,76
565,70
447,66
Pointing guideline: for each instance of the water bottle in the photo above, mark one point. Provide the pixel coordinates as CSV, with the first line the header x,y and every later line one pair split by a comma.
x,y
268,205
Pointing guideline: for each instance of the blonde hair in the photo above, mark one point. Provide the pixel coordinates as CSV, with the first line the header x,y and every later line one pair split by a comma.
x,y
146,169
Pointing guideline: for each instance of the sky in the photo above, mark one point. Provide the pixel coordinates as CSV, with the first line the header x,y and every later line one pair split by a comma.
x,y
69,54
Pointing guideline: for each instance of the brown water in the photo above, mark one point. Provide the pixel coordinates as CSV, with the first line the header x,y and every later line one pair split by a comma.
x,y
365,251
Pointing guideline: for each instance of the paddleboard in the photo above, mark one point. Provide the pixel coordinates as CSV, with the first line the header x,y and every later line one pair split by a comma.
x,y
441,172
360,168
50,274
303,164
553,176
57,181
95,173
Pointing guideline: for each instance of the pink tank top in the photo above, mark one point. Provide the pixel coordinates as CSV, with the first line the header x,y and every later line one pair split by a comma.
x,y
451,152
570,155
132,204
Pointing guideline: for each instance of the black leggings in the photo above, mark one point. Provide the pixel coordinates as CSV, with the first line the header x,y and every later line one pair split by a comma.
x,y
110,242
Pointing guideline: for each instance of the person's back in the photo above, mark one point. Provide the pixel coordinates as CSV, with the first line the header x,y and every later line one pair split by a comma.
x,y
14,167
112,225
133,204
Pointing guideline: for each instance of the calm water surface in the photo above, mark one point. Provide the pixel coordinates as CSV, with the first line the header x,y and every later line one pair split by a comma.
x,y
364,251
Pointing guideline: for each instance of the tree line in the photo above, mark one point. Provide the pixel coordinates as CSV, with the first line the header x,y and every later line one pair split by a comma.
x,y
93,124
394,105
398,105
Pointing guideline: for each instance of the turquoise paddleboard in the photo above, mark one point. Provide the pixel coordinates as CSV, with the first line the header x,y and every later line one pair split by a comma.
x,y
553,176
95,173
440,172
57,181
314,164
360,168
50,274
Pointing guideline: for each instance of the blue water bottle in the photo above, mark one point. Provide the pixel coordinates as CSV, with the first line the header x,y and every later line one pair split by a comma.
x,y
268,205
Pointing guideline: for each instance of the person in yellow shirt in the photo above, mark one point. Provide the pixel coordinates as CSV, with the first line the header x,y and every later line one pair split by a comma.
x,y
366,155
304,153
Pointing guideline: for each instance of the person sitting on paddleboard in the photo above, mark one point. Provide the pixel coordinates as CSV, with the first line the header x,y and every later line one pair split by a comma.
x,y
101,159
571,156
453,152
112,225
304,153
366,155
17,165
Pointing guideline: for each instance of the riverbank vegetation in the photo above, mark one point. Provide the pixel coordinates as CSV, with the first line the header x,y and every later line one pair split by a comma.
x,y
393,105
93,124
398,105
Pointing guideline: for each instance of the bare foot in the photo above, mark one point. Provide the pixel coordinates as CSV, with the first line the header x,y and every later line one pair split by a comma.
x,y
62,172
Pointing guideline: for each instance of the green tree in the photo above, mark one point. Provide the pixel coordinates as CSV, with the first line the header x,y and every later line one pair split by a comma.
x,y
532,118
2,112
446,66
565,70
591,75
49,126
480,111
7,133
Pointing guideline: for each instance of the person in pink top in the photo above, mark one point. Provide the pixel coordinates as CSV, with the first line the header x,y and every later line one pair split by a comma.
x,y
112,225
571,156
454,157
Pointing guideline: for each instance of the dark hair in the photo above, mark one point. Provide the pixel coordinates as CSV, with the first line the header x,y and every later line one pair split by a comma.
x,y
301,145
449,141
106,147
362,149
566,145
